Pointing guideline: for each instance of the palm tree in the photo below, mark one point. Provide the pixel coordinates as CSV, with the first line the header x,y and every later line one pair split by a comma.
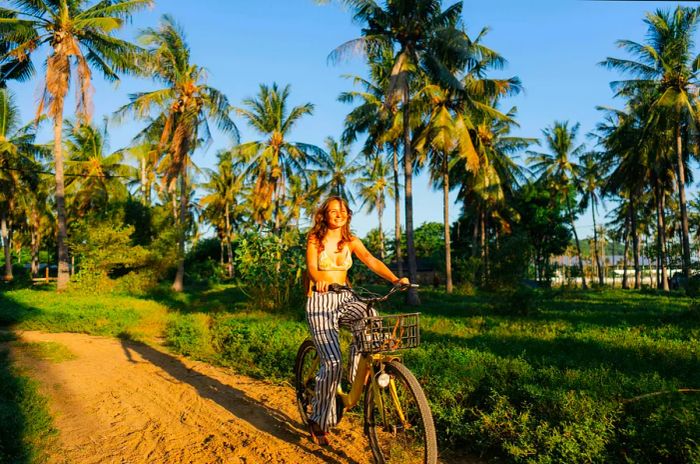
x,y
667,66
78,37
221,204
337,168
185,105
591,176
274,160
426,41
12,68
559,170
18,169
94,177
374,187
382,123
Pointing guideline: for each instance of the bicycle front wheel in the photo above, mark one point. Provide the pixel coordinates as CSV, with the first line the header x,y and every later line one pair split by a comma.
x,y
305,368
398,419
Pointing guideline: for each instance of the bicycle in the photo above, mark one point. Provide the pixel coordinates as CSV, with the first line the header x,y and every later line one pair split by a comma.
x,y
397,417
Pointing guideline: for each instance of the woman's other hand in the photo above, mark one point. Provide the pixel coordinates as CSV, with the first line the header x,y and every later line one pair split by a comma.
x,y
402,281
322,286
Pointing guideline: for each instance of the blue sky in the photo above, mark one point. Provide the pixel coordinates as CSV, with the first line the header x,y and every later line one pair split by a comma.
x,y
552,45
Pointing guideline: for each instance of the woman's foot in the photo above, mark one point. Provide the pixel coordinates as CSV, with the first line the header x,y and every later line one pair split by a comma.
x,y
318,436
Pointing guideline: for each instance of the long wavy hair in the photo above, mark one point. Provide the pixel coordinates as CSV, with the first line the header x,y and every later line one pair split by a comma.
x,y
320,227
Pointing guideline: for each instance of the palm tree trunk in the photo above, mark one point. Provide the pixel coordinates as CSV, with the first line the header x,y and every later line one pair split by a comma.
x,y
35,241
578,245
482,245
595,245
412,296
62,236
178,283
144,183
626,238
681,199
635,245
6,247
661,235
613,262
380,214
229,251
397,212
446,218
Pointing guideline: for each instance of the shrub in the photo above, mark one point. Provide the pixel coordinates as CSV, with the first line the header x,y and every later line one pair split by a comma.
x,y
189,334
270,270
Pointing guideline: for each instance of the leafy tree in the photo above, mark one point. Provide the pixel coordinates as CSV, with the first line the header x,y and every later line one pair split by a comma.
x,y
78,37
18,170
374,187
425,40
94,176
336,169
666,66
558,169
274,159
184,107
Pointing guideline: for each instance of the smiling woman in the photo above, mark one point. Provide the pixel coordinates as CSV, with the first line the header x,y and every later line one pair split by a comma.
x,y
329,252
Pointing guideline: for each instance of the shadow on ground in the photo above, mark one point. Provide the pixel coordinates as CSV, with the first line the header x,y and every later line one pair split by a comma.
x,y
237,402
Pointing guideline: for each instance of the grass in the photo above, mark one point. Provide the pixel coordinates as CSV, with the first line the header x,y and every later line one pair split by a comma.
x,y
558,376
48,351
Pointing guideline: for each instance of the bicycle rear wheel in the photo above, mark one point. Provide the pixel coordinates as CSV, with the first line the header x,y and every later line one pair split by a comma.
x,y
305,368
398,419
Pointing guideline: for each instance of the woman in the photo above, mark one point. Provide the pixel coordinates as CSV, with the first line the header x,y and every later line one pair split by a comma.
x,y
329,251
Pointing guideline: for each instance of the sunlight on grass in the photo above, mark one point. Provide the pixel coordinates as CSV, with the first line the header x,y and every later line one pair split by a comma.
x,y
48,351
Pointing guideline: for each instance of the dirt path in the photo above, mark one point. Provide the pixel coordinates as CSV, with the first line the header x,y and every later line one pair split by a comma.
x,y
120,401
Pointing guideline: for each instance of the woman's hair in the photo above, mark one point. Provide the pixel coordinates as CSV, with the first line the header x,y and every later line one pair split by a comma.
x,y
319,229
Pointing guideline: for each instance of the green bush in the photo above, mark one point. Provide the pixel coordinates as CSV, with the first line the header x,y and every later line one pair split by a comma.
x,y
189,334
270,270
262,348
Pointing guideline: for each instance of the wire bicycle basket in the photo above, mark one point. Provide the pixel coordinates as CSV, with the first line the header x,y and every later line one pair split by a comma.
x,y
389,333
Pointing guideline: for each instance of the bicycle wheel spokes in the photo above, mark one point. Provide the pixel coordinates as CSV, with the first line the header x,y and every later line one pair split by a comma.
x,y
305,368
399,422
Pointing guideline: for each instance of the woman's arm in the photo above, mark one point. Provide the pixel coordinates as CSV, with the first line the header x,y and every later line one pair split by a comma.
x,y
312,265
373,263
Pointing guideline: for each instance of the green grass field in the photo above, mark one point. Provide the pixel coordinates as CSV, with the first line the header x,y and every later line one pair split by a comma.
x,y
558,376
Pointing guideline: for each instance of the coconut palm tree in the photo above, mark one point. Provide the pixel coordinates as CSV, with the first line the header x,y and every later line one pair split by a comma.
x,y
558,169
373,187
79,37
591,175
12,68
18,169
426,40
667,66
382,123
337,169
221,205
274,159
184,107
95,177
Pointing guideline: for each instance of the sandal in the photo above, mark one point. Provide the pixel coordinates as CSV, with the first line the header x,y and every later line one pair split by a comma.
x,y
318,436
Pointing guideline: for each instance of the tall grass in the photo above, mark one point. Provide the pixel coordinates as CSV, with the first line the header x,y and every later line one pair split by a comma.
x,y
521,377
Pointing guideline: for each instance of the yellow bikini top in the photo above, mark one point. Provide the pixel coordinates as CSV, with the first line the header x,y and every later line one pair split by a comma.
x,y
325,263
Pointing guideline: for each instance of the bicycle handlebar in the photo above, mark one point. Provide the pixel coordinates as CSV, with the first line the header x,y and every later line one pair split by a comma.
x,y
337,288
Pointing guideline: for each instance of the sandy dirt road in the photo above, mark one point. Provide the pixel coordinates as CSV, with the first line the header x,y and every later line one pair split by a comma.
x,y
120,401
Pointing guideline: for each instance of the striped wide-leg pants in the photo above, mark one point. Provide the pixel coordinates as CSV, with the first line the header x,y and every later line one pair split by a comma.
x,y
325,312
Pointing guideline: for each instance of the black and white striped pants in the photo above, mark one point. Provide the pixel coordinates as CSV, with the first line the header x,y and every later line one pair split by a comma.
x,y
325,312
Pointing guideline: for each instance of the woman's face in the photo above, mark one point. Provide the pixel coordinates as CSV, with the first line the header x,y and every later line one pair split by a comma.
x,y
336,215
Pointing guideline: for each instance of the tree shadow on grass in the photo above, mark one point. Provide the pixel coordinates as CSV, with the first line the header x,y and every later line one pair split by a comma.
x,y
237,402
567,352
200,299
25,425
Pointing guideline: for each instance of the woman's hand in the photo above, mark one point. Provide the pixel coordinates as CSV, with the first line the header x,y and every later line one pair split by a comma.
x,y
402,281
322,286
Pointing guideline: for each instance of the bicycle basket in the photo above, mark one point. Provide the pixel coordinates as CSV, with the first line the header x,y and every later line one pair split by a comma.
x,y
390,333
